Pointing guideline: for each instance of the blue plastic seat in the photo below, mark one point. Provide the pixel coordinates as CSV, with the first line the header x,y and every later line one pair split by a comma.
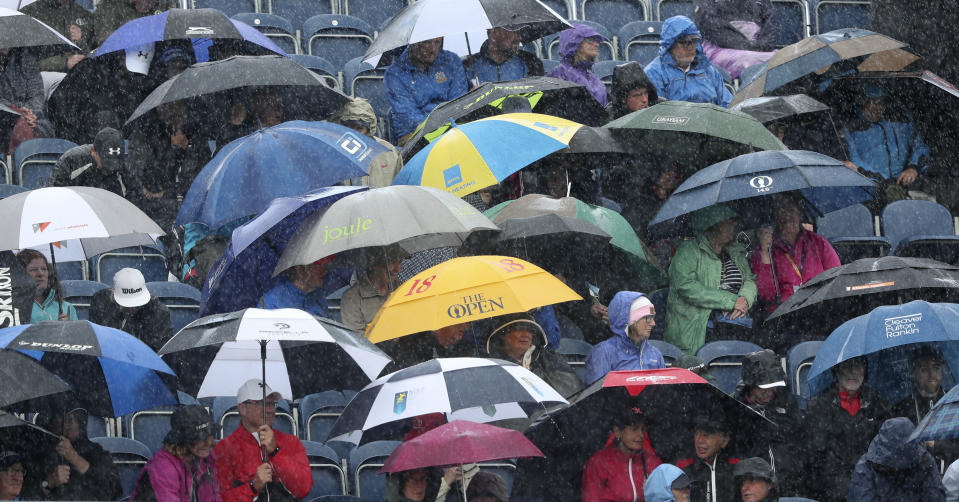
x,y
724,359
799,360
613,14
276,28
297,11
8,190
328,475
224,412
365,463
362,80
832,15
149,260
149,426
564,8
80,294
375,12
549,64
319,411
183,301
33,160
575,352
228,7
852,233
790,21
666,9
607,49
671,353
639,41
920,228
321,67
129,457
337,38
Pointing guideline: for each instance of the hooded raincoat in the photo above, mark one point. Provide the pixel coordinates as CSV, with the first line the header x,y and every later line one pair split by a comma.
x,y
701,83
386,165
659,485
627,77
546,364
413,93
613,476
619,352
894,469
795,265
569,41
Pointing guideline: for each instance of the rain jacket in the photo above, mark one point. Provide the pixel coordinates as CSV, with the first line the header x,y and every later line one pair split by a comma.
x,y
894,469
287,296
703,483
169,479
521,65
61,17
546,364
385,166
702,83
714,17
619,352
887,147
613,476
112,14
150,323
694,276
811,255
49,310
569,41
627,77
413,93
779,444
77,167
238,456
659,485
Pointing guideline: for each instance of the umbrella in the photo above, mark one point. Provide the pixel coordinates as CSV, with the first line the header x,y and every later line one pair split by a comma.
x,y
296,353
15,4
463,290
464,24
526,231
771,108
414,218
23,437
245,270
743,183
20,30
459,387
885,337
112,372
280,161
26,379
942,421
301,88
817,57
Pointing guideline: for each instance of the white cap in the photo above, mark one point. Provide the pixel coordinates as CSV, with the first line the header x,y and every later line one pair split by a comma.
x,y
130,288
138,58
251,391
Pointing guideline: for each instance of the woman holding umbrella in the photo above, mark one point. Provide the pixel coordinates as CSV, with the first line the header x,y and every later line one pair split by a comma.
x,y
48,304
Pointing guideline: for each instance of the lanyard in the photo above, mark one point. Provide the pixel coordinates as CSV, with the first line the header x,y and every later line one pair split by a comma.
x,y
789,257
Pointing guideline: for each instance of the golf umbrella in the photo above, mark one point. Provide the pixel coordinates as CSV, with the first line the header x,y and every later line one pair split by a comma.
x,y
464,24
885,337
295,353
479,154
17,289
463,290
942,421
112,372
20,30
23,437
24,378
413,217
771,108
459,387
743,183
244,272
281,161
551,230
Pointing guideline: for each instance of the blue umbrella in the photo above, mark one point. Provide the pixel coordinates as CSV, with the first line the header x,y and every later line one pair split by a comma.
x,y
281,161
245,270
942,421
743,182
885,337
112,372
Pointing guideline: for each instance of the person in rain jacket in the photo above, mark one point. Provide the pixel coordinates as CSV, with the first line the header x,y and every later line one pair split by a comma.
x,y
711,468
667,483
519,338
46,306
422,77
682,72
631,90
756,480
578,50
896,469
500,59
631,319
738,33
618,472
358,114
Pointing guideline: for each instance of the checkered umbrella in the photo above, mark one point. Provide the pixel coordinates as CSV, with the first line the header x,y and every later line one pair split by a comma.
x,y
942,422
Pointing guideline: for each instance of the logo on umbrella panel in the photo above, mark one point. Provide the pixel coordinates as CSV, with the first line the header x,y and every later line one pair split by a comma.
x,y
651,379
200,30
40,227
761,183
666,119
474,305
452,176
489,410
902,325
870,286
61,346
337,233
399,402
60,244
534,387
352,145
281,325
9,315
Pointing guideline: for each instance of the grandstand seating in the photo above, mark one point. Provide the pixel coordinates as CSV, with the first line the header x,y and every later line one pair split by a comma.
x,y
337,38
365,463
149,260
298,11
613,13
80,293
799,360
639,41
724,360
328,475
33,160
278,29
228,7
791,21
851,231
374,12
575,352
319,411
362,80
920,228
666,9
182,300
129,457
323,68
671,353
831,15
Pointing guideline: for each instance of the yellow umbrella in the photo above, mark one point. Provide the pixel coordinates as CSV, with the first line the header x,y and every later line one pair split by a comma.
x,y
464,290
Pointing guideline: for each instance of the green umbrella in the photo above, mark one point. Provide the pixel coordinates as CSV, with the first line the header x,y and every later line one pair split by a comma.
x,y
623,236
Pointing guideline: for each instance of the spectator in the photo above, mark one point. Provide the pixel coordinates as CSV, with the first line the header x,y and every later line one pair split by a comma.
x,y
738,33
631,319
618,472
357,114
420,347
667,483
520,339
710,283
682,72
363,300
21,89
48,304
256,459
499,59
98,165
422,77
813,132
839,424
73,22
487,487
409,486
578,50
711,469
111,14
632,90
11,475
129,307
950,482
756,480
261,109
301,289
895,468
172,62
184,469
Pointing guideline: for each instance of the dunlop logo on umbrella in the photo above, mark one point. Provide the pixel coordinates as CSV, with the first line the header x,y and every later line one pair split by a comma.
x,y
61,346
473,305
666,119
902,325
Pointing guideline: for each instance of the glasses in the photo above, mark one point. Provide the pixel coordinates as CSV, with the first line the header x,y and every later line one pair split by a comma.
x,y
687,41
19,470
267,404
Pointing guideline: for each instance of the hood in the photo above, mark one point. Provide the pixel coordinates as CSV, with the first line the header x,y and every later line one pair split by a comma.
x,y
619,312
570,39
762,369
658,485
627,77
890,447
675,27
357,110
702,219
494,343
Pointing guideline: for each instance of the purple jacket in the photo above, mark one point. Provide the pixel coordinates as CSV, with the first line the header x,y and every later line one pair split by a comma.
x,y
172,482
569,41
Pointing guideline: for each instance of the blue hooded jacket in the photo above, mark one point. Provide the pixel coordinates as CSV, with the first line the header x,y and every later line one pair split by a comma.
x,y
702,83
569,41
894,469
618,352
658,486
413,93
886,147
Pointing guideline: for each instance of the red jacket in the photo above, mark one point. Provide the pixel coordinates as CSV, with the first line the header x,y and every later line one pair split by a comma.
x,y
606,477
238,456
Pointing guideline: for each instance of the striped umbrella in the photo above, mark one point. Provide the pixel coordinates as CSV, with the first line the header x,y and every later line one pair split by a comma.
x,y
942,421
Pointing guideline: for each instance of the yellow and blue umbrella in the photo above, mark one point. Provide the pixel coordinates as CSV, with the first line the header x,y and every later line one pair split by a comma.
x,y
482,153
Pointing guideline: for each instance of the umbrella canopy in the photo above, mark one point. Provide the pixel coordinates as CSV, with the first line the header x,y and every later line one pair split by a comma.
x,y
885,337
458,387
459,442
112,372
482,153
549,224
817,57
463,290
20,30
23,437
771,108
26,379
303,354
412,217
464,24
942,421
280,161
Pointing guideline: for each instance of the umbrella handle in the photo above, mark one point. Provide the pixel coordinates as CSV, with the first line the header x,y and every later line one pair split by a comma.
x,y
463,481
56,290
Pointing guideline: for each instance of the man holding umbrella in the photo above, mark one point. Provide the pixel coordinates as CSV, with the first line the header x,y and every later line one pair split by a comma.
x,y
500,59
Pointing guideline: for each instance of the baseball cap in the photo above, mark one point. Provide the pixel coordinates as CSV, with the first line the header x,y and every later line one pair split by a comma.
x,y
711,423
762,369
8,458
251,391
130,288
109,146
190,423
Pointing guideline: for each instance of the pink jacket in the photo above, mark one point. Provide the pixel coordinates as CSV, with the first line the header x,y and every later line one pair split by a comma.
x,y
172,481
812,254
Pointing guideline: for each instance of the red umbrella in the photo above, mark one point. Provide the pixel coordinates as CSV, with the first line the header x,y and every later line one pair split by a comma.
x,y
635,381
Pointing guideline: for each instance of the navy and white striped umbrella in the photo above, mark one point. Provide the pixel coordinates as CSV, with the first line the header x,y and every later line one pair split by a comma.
x,y
465,388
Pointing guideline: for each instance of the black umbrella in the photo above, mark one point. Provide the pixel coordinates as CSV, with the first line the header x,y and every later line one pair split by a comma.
x,y
20,30
24,378
770,108
551,240
16,289
24,437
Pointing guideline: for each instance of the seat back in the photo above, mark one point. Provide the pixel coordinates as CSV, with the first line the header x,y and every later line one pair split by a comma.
x,y
80,294
852,221
328,475
374,12
228,7
299,10
149,426
150,261
791,21
323,68
365,463
671,353
129,457
319,411
799,361
639,41
225,413
724,359
549,64
658,298
7,190
565,8
362,80
906,218
613,13
34,159
337,38
575,352
181,299
276,28
835,14
666,9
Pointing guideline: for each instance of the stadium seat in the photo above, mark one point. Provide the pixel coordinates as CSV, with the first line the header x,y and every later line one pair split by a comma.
x,y
149,426
639,41
7,190
920,228
374,12
790,21
72,270
183,301
80,293
321,67
564,8
666,9
659,298
228,7
835,14
319,411
328,475
604,70
799,360
337,38
362,80
297,11
365,463
7,173
852,233
33,160
276,28
607,50
549,64
149,260
224,412
575,352
724,359
129,457
613,14
671,353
